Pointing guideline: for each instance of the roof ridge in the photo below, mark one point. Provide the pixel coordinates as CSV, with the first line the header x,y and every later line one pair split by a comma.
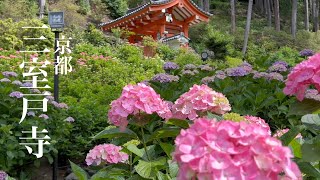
x,y
151,2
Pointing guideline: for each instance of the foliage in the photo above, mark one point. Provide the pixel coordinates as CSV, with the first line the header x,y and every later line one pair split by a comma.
x,y
13,35
18,9
165,52
71,12
233,62
187,57
99,10
125,52
13,156
95,36
286,54
84,6
117,8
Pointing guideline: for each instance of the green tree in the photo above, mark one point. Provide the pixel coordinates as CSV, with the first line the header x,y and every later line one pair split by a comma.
x,y
117,8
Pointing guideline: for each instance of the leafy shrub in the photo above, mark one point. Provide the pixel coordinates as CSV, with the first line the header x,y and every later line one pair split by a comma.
x,y
286,54
14,156
125,51
165,52
219,43
98,11
95,36
13,35
18,9
117,8
233,62
187,57
90,49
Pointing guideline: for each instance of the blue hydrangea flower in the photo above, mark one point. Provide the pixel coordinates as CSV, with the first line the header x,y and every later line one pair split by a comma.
x,y
44,116
5,80
3,175
31,113
312,94
275,76
190,72
8,74
27,84
258,75
246,66
205,68
277,68
16,94
170,66
190,67
165,78
17,82
69,119
237,71
306,52
220,74
37,91
282,63
207,80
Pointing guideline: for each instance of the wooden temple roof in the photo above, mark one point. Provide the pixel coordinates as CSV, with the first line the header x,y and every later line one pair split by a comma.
x,y
182,10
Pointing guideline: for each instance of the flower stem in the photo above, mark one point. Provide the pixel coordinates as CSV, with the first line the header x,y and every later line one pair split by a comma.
x,y
144,143
130,162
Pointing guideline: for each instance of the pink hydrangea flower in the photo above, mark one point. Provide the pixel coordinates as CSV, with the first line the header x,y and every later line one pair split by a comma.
x,y
302,76
232,150
281,132
200,99
257,120
135,99
106,153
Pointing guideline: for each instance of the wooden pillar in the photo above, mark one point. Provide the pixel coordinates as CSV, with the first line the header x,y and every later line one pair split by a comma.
x,y
186,29
162,29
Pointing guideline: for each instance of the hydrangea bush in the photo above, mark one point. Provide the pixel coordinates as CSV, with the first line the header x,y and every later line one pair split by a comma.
x,y
162,132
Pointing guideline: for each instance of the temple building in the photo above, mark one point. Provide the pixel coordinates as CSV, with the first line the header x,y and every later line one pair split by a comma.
x,y
167,21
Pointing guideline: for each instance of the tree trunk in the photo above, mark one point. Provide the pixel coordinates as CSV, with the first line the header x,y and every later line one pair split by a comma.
x,y
206,5
246,34
269,15
277,15
233,16
315,12
294,18
306,15
41,8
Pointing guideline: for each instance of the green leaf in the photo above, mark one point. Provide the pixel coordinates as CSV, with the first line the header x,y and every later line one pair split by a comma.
x,y
161,176
296,148
291,134
164,133
134,149
78,171
307,106
214,116
136,177
311,150
167,148
312,121
115,132
178,122
141,152
110,174
308,169
173,168
149,169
